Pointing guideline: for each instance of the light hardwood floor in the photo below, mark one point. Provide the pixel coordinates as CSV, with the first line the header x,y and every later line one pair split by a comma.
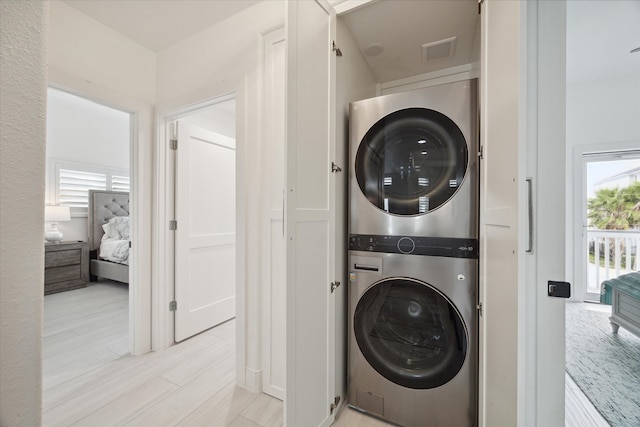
x,y
91,380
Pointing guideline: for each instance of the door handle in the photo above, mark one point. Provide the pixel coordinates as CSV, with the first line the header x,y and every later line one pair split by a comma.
x,y
530,214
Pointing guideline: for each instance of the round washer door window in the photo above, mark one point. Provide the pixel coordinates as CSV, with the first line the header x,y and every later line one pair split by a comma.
x,y
411,162
410,333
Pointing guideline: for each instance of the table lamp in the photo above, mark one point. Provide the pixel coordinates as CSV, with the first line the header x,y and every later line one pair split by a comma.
x,y
54,214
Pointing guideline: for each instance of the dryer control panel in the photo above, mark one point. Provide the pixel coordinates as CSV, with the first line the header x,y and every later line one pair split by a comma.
x,y
411,245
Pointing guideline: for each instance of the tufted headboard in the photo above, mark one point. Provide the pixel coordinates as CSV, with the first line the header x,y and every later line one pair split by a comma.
x,y
104,205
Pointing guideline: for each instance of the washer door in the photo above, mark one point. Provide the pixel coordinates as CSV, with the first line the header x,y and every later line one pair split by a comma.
x,y
411,162
410,333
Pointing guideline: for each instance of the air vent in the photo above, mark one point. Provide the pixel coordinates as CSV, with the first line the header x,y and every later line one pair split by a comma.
x,y
441,49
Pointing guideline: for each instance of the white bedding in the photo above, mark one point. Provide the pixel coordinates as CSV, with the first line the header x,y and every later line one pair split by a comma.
x,y
115,241
115,251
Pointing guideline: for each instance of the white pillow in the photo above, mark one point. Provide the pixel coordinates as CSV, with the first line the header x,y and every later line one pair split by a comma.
x,y
116,229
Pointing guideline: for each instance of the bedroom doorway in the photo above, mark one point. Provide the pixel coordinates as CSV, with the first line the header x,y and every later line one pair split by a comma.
x,y
88,148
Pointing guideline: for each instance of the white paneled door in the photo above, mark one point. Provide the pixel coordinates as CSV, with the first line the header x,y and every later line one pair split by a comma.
x,y
310,214
205,256
500,254
522,213
273,262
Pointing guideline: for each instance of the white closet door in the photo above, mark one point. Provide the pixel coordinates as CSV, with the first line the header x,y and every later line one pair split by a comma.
x,y
309,212
274,262
522,115
205,286
500,256
549,210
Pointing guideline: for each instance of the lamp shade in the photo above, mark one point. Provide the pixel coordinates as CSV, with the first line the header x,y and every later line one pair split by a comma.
x,y
57,213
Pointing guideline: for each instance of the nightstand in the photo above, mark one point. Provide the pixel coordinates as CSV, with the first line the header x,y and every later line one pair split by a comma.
x,y
66,266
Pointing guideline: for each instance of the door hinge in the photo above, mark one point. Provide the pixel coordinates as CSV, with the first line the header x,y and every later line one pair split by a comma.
x,y
335,168
479,308
173,144
334,405
173,225
334,286
173,306
336,49
481,152
480,6
129,244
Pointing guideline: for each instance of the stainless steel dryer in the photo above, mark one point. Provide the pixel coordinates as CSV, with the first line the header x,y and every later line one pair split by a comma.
x,y
413,160
413,330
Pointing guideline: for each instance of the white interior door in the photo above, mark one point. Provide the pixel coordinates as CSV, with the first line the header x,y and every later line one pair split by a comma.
x,y
205,282
309,214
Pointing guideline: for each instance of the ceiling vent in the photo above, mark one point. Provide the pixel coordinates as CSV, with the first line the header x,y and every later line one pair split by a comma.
x,y
441,49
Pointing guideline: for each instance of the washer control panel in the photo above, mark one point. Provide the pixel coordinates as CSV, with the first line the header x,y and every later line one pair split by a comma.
x,y
411,245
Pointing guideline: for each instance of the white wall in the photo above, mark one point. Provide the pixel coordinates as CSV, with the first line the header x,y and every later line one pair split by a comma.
x,y
84,131
603,111
80,130
218,60
84,48
23,83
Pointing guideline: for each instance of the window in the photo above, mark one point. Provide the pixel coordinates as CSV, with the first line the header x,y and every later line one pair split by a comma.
x,y
70,183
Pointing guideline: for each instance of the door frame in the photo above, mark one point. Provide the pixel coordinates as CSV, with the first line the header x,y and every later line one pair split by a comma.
x,y
140,169
576,263
164,250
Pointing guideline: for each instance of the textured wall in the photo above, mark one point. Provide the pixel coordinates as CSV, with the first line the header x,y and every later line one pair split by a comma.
x,y
23,81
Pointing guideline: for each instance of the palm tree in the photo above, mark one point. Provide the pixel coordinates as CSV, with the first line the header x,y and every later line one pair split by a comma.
x,y
615,209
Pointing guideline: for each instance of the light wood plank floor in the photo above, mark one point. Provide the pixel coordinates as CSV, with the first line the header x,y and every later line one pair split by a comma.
x,y
90,379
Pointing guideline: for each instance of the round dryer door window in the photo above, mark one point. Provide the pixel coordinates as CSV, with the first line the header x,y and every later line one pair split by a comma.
x,y
410,333
411,162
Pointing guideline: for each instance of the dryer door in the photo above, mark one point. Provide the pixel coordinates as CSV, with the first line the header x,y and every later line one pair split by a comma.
x,y
412,161
410,333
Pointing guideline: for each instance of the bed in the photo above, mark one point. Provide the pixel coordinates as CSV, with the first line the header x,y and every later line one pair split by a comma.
x,y
625,301
109,242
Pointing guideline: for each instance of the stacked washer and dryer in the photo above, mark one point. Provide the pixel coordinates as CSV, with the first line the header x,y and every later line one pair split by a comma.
x,y
413,256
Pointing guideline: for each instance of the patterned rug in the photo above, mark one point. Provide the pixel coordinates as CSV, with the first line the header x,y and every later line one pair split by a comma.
x,y
606,366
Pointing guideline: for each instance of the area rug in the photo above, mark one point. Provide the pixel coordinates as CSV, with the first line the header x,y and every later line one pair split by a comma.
x,y
606,366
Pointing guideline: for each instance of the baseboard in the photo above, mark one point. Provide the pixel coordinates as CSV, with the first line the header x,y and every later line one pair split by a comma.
x,y
253,380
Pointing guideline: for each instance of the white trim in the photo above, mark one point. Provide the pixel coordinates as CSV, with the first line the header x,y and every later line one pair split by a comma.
x,y
140,170
447,75
345,6
253,380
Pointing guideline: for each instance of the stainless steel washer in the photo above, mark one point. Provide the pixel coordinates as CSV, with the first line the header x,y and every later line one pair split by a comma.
x,y
413,331
413,256
413,158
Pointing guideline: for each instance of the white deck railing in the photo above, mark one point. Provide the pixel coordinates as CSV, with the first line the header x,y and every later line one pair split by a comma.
x,y
615,252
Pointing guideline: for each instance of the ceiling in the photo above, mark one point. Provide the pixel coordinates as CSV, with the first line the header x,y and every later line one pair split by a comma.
x,y
402,27
156,24
600,34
